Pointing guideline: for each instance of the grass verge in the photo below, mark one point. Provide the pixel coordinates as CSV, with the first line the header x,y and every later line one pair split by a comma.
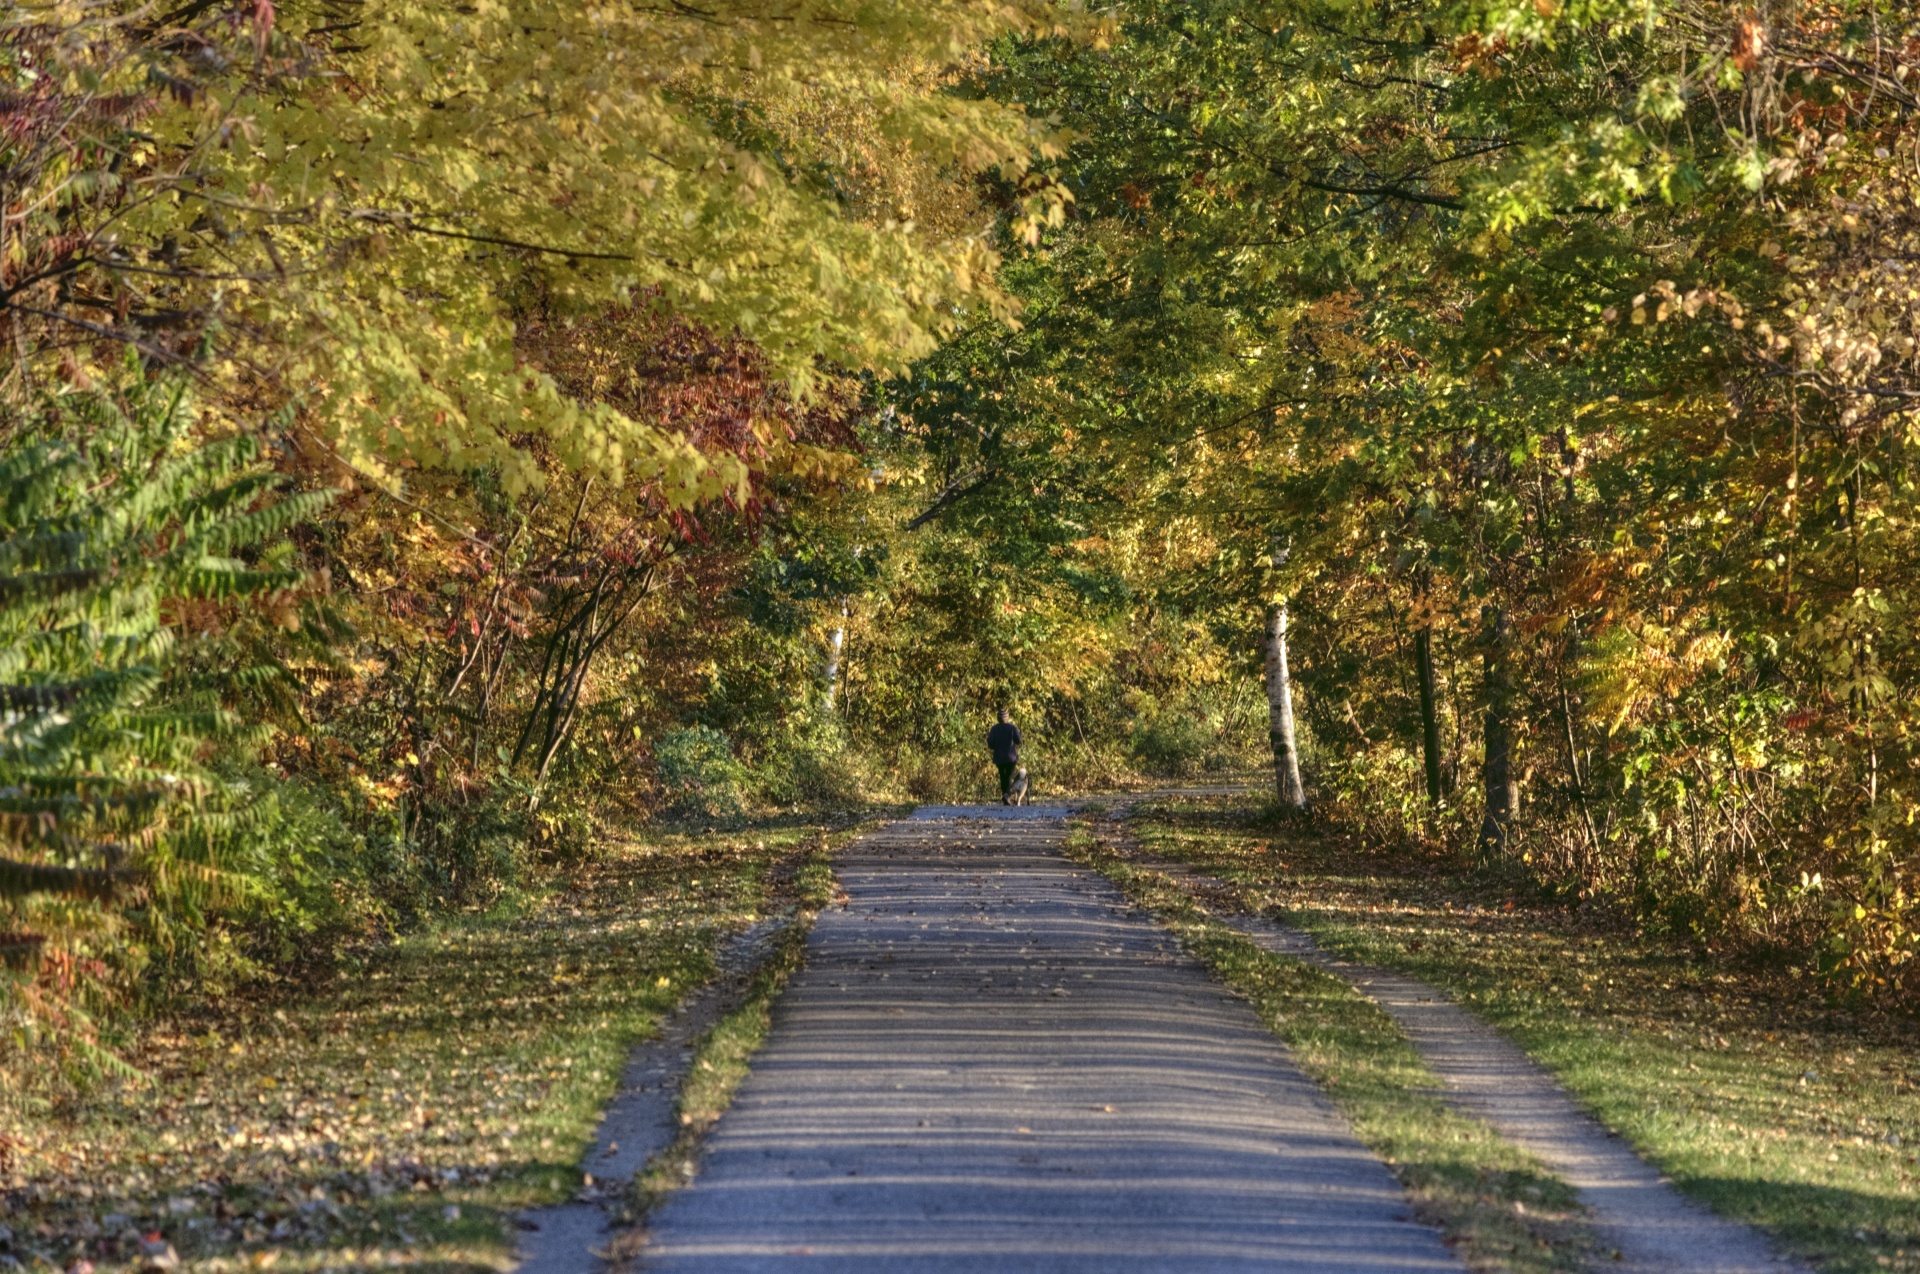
x,y
403,1114
1496,1206
1755,1093
722,1057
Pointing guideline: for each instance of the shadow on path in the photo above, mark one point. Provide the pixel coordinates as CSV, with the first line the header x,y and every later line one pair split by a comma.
x,y
991,1062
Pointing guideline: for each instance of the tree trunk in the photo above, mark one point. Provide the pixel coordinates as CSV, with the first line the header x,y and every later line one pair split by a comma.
x,y
1429,713
1573,765
1280,732
569,655
1502,790
836,642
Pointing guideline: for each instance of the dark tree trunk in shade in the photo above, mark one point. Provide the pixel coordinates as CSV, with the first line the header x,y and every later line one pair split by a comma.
x,y
1429,712
1501,787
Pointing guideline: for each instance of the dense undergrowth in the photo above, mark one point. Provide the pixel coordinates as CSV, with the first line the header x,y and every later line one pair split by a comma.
x,y
257,731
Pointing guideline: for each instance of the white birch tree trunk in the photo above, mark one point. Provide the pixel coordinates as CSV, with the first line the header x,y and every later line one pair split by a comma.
x,y
836,642
1286,752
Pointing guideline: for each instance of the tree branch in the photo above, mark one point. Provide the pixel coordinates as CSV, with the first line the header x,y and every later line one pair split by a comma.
x,y
954,493
406,222
1385,192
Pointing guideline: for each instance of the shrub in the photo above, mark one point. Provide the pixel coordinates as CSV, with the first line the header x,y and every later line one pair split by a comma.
x,y
1176,744
815,764
116,835
308,889
697,768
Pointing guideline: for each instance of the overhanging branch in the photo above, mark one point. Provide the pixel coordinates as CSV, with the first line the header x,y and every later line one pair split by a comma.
x,y
957,490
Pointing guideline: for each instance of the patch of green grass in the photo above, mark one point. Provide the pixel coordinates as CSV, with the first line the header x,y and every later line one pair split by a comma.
x,y
723,1056
1496,1205
403,1114
1755,1093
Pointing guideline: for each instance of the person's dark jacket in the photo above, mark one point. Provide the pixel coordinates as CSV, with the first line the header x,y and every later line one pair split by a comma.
x,y
1004,740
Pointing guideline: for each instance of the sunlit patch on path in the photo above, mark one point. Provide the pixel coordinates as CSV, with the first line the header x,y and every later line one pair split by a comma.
x,y
991,1062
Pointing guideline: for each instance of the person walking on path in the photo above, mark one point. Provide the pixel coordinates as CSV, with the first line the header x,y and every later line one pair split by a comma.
x,y
1004,742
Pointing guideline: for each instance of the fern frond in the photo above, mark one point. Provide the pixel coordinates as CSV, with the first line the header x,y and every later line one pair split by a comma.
x,y
245,530
17,878
227,582
44,586
114,508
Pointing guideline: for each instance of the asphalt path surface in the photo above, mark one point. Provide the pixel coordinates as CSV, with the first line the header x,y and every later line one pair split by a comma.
x,y
991,1062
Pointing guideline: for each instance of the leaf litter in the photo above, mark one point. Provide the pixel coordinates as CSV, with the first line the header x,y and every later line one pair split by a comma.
x,y
402,1114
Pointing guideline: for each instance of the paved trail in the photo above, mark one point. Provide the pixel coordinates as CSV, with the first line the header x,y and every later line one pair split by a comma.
x,y
990,1063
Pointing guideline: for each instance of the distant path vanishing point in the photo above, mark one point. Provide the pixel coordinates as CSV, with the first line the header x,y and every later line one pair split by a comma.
x,y
992,1063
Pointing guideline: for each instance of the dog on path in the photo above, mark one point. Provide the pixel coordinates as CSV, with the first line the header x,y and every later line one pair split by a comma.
x,y
1017,793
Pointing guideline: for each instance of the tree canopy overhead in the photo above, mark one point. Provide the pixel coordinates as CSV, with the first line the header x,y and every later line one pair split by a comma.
x,y
1555,366
358,204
